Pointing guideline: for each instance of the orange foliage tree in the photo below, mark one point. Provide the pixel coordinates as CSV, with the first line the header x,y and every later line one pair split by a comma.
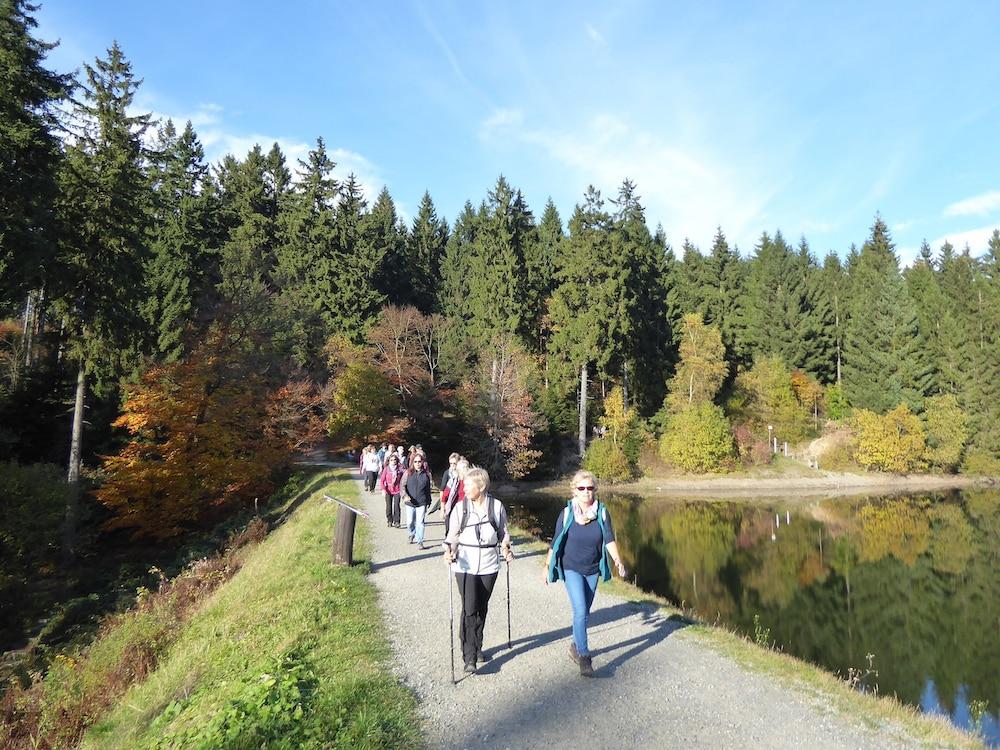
x,y
206,435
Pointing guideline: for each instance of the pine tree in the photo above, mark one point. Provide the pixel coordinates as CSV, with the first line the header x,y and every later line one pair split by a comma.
x,y
415,276
361,244
29,153
833,284
496,283
307,264
175,272
820,326
724,279
646,334
104,206
884,358
541,261
929,303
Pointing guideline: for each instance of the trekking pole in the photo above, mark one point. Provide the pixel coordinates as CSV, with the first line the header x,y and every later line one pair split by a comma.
x,y
451,621
508,606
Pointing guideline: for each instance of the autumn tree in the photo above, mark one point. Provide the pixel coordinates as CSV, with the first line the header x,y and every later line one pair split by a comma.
x,y
702,366
894,442
501,409
947,432
196,448
365,407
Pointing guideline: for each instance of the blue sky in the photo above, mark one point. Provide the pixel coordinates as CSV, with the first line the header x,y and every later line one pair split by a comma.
x,y
805,117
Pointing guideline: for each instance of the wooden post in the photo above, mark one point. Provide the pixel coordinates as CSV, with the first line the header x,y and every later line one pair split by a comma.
x,y
343,531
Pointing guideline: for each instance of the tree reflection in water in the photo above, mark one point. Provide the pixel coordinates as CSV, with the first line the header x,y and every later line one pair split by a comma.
x,y
910,579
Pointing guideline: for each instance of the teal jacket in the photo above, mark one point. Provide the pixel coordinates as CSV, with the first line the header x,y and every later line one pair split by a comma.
x,y
556,572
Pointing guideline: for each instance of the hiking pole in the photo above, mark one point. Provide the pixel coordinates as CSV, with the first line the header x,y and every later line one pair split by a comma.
x,y
451,620
508,605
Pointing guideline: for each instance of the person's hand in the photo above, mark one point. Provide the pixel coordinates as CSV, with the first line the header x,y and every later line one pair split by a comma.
x,y
621,569
449,556
545,576
508,554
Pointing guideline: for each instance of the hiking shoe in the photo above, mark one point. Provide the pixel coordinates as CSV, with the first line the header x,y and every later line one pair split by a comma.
x,y
482,657
573,653
586,667
470,668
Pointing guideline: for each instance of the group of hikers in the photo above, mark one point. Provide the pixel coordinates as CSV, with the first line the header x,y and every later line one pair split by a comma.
x,y
582,553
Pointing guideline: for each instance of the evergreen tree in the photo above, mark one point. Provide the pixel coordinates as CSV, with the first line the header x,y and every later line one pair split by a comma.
x,y
29,153
415,276
777,304
929,303
362,243
646,335
176,270
496,283
692,285
104,206
724,279
884,358
307,263
820,319
833,283
541,260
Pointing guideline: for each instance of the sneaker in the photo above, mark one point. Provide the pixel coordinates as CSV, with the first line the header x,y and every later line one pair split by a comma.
x,y
482,657
470,668
586,667
573,653
411,538
422,546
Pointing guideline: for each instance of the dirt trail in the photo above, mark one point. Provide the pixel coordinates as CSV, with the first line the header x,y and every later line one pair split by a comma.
x,y
655,686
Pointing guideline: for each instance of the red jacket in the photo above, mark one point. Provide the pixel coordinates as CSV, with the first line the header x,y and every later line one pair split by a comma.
x,y
389,483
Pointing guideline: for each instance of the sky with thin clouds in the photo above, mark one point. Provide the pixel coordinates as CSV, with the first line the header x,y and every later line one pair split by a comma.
x,y
808,118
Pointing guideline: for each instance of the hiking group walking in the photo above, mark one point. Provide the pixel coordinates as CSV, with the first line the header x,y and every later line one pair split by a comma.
x,y
583,550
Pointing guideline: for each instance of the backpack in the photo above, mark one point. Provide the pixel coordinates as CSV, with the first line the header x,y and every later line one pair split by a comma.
x,y
491,514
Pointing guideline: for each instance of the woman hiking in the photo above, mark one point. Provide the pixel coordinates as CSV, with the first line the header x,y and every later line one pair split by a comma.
x,y
391,484
478,535
583,548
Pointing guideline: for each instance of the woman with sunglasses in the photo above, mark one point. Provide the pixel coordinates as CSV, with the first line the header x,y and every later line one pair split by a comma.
x,y
583,549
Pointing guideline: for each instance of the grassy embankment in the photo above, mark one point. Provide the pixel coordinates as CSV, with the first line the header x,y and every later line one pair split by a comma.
x,y
289,653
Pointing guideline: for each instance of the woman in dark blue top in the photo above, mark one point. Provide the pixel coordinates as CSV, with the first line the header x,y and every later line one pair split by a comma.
x,y
583,548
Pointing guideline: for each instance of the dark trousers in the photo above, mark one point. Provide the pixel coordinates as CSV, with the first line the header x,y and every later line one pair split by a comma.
x,y
475,591
370,477
392,508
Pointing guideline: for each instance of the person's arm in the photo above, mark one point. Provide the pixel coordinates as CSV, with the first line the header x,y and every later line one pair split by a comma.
x,y
552,549
612,546
505,541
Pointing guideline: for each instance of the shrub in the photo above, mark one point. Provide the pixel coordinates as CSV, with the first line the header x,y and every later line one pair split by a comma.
x,y
698,439
984,463
891,442
766,396
839,457
752,449
836,402
947,432
607,460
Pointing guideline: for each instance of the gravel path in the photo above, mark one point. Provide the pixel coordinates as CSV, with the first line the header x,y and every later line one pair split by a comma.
x,y
654,686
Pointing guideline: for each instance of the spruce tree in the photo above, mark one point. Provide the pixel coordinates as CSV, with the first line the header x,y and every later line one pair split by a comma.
x,y
724,279
929,303
833,284
885,361
541,260
104,206
29,154
416,276
178,240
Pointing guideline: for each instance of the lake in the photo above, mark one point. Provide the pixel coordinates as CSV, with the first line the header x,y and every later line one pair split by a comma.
x,y
902,592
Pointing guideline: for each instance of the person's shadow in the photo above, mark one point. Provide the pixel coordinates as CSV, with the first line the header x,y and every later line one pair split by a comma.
x,y
657,625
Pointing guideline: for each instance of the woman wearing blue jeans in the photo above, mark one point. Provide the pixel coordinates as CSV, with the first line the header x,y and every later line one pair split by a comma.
x,y
583,548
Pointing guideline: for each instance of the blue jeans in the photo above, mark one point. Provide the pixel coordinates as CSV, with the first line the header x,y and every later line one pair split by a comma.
x,y
415,522
581,590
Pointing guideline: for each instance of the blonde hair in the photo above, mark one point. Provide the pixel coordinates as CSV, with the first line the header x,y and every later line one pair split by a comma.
x,y
462,467
582,475
479,476
456,456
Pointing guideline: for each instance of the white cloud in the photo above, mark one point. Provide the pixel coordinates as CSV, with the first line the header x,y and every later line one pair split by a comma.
x,y
901,226
499,120
595,35
978,205
688,192
976,239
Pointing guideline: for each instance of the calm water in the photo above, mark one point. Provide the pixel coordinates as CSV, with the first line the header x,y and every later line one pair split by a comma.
x,y
913,581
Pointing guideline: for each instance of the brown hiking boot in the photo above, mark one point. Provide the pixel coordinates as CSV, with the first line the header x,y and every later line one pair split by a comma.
x,y
586,667
573,653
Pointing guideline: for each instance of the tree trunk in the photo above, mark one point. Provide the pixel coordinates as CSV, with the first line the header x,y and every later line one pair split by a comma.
x,y
343,537
73,475
583,410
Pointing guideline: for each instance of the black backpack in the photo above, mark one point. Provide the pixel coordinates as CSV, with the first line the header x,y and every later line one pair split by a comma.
x,y
491,514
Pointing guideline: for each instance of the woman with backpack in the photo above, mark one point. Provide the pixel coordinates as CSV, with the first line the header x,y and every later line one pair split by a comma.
x,y
477,537
372,466
583,549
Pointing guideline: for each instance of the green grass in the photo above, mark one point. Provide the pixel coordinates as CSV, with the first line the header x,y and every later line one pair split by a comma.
x,y
291,653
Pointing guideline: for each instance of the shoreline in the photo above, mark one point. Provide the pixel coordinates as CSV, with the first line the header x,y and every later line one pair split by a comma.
x,y
753,486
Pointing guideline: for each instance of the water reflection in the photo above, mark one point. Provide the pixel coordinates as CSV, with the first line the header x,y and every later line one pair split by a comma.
x,y
911,580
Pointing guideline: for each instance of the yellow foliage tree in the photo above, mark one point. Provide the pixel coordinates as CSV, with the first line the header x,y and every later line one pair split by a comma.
x,y
892,442
702,366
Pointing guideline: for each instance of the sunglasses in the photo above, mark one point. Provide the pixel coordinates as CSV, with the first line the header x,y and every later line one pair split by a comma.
x,y
588,487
